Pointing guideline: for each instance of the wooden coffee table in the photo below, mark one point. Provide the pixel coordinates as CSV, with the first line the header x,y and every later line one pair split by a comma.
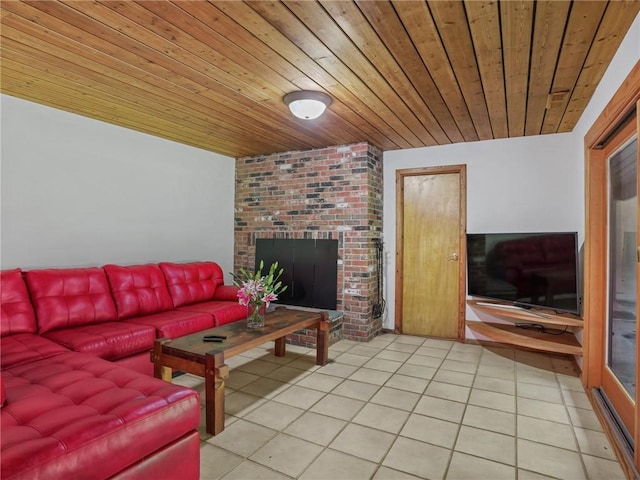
x,y
191,354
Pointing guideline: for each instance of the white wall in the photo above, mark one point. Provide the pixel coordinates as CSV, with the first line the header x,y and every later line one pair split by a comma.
x,y
79,192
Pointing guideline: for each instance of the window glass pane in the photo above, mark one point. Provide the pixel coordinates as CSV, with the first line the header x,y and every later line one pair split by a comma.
x,y
623,230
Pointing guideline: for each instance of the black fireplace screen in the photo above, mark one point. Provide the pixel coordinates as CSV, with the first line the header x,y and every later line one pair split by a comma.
x,y
310,269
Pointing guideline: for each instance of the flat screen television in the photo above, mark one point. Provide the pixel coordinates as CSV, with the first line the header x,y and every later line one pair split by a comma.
x,y
525,269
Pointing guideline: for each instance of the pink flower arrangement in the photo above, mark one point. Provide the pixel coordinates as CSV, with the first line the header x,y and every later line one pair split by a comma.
x,y
259,289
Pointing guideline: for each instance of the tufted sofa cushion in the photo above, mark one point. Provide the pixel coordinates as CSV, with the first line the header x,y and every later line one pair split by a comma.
x,y
223,312
77,416
26,347
70,297
138,290
227,293
16,311
175,323
192,282
108,340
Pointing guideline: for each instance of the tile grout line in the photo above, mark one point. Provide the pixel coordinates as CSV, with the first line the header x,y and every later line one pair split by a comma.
x,y
347,423
422,393
464,411
386,454
573,429
383,457
515,419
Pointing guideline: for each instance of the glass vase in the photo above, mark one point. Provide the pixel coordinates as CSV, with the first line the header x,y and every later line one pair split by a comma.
x,y
255,314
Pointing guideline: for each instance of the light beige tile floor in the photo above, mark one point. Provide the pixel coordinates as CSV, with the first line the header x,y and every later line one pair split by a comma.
x,y
403,407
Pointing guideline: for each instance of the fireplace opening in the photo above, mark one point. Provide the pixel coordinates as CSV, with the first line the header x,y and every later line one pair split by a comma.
x,y
310,269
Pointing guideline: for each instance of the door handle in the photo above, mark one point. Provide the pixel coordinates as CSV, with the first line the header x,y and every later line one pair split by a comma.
x,y
453,256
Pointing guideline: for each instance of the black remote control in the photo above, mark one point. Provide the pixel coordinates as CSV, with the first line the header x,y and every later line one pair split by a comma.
x,y
222,337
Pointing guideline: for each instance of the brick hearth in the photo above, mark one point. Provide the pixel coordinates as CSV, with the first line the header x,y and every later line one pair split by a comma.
x,y
328,193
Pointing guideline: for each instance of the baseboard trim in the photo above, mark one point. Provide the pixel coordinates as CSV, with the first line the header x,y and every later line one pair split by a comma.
x,y
616,437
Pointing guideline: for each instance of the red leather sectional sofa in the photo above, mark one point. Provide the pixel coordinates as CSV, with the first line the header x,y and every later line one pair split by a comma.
x,y
77,399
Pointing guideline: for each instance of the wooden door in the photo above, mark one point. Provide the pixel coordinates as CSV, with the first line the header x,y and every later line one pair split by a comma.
x,y
431,252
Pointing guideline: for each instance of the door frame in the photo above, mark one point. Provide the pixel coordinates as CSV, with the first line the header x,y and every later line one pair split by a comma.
x,y
461,170
608,123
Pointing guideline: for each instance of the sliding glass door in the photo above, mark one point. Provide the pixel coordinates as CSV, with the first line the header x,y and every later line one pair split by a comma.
x,y
610,371
619,368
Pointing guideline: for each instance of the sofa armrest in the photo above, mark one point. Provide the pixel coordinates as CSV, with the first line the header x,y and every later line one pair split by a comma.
x,y
226,292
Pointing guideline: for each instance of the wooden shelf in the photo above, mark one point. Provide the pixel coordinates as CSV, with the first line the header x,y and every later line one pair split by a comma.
x,y
565,343
495,310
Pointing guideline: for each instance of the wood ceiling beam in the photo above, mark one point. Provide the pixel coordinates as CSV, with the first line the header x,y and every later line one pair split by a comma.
x,y
352,122
584,19
517,21
218,50
550,20
617,19
176,75
32,64
82,70
401,74
424,35
451,23
173,47
324,73
345,48
282,19
75,100
484,24
384,20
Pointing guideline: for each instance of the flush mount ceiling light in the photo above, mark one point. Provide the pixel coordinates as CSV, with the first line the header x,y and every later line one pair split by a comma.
x,y
306,104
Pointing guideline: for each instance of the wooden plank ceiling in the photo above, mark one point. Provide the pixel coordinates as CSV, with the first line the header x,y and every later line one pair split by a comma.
x,y
402,74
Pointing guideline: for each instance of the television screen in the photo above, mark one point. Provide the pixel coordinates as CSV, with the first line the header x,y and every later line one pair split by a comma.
x,y
527,269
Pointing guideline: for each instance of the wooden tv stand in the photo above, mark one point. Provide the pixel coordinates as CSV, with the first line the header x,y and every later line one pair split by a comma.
x,y
565,343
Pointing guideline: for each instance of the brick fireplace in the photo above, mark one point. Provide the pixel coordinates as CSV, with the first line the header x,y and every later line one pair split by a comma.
x,y
328,193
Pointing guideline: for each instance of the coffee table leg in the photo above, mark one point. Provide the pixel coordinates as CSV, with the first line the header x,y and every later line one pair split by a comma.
x,y
215,375
159,370
279,350
322,340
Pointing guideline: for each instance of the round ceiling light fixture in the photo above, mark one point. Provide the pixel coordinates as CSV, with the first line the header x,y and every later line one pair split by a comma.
x,y
307,104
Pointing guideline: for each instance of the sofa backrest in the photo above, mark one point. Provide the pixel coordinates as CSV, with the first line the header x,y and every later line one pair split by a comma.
x,y
138,290
16,311
192,282
69,297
